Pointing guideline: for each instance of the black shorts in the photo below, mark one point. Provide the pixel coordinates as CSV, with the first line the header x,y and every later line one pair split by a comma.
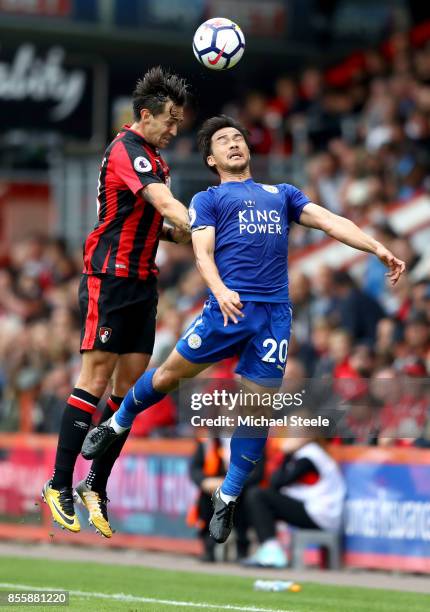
x,y
117,314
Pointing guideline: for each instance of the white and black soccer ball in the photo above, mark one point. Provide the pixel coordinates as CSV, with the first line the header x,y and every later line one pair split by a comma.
x,y
218,43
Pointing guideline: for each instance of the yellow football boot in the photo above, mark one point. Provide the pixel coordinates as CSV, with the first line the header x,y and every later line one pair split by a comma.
x,y
96,505
60,503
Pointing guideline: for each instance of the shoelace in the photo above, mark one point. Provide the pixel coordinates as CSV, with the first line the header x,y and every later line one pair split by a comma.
x,y
66,501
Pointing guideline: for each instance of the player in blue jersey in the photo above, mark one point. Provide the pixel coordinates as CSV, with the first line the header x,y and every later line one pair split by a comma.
x,y
240,239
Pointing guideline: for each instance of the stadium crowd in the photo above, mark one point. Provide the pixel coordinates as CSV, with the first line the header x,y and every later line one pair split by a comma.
x,y
341,330
363,126
365,131
361,129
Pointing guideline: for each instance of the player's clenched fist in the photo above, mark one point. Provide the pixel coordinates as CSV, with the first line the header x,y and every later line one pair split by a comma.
x,y
230,305
181,236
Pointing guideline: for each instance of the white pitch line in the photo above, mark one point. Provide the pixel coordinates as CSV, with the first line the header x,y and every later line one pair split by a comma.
x,y
135,598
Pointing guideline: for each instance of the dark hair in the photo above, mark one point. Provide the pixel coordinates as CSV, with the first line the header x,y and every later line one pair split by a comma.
x,y
155,89
208,129
341,278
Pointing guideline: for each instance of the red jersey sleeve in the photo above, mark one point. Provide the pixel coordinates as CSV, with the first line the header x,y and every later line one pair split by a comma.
x,y
133,166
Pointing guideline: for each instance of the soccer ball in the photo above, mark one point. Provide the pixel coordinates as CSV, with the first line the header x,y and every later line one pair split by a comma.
x,y
218,43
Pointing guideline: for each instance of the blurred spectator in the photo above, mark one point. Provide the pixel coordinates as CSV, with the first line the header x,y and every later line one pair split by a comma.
x,y
324,303
416,339
307,490
294,376
335,357
385,341
327,179
357,312
300,295
279,109
320,341
254,119
404,416
361,413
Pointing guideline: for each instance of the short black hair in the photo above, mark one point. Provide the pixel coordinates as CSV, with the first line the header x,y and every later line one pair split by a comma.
x,y
157,87
341,278
208,129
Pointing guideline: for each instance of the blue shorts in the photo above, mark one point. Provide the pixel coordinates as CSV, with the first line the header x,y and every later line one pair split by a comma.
x,y
260,339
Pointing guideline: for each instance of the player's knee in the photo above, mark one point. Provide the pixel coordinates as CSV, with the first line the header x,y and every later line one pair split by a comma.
x,y
95,382
121,387
165,380
99,384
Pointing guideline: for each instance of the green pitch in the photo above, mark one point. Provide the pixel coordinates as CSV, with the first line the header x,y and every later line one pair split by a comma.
x,y
98,587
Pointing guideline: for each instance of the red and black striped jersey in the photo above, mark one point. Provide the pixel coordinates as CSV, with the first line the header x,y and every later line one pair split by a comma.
x,y
125,239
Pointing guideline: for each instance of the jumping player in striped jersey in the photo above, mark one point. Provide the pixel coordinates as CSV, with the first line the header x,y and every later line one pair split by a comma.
x,y
118,290
240,238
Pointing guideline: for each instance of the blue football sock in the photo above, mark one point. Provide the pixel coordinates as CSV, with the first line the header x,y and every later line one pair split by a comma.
x,y
245,453
139,398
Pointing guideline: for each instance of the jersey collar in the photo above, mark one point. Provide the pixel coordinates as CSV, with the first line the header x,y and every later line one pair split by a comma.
x,y
127,128
248,180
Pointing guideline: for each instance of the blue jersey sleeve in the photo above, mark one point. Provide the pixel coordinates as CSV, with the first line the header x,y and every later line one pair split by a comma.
x,y
202,210
296,200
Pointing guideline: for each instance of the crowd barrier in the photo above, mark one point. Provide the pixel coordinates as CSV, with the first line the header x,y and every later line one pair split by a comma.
x,y
387,513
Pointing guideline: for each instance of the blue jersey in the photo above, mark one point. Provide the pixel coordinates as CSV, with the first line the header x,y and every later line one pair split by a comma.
x,y
251,222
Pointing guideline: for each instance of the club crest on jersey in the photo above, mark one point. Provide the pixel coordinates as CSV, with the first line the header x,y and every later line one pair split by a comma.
x,y
270,188
141,164
104,334
194,341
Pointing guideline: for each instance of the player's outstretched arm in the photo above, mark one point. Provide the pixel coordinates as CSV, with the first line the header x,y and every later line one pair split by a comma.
x,y
229,301
160,196
347,232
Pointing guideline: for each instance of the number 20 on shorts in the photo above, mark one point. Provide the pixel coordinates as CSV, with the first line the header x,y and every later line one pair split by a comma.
x,y
272,345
